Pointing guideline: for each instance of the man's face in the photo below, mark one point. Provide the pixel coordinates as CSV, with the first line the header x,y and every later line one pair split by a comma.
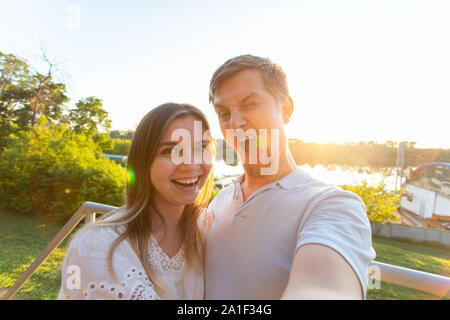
x,y
243,102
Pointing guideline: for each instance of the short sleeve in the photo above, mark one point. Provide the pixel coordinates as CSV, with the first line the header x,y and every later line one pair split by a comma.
x,y
338,220
85,273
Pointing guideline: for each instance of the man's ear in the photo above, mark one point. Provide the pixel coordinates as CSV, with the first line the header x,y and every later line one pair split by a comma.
x,y
288,109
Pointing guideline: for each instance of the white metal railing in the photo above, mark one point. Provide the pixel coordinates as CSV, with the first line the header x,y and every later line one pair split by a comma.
x,y
428,282
86,211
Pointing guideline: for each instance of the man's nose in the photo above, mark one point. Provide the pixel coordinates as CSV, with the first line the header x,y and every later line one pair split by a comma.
x,y
237,120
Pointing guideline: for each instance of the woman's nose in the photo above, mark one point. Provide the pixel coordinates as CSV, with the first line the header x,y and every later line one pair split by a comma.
x,y
186,166
191,159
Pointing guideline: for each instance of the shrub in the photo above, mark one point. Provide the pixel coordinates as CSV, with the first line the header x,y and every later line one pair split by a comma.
x,y
120,146
117,146
381,204
52,171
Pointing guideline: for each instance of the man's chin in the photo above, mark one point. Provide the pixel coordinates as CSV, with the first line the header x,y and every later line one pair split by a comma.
x,y
255,170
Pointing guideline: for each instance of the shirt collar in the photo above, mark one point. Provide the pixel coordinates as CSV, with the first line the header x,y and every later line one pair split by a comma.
x,y
291,180
238,180
294,179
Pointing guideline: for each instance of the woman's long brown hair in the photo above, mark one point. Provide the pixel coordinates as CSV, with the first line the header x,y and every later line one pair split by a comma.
x,y
139,207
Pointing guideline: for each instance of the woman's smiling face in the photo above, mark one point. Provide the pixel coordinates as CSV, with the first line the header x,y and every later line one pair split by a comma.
x,y
178,183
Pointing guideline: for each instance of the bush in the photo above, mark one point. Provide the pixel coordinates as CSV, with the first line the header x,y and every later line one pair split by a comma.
x,y
381,204
121,146
51,172
117,146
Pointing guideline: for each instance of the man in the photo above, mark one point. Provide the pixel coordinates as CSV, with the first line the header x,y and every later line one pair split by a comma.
x,y
277,232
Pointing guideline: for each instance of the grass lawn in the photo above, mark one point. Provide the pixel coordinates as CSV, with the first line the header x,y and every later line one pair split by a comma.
x,y
409,255
22,239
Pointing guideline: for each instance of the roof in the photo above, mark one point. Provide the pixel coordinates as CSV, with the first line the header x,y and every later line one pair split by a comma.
x,y
432,164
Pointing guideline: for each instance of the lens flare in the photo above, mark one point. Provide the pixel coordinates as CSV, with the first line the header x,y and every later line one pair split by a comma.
x,y
130,176
261,142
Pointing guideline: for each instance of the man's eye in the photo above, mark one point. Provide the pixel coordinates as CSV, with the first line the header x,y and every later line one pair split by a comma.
x,y
223,115
249,105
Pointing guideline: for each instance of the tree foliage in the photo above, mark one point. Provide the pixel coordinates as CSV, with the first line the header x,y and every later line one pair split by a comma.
x,y
26,95
381,204
119,134
52,171
119,146
89,117
362,154
51,157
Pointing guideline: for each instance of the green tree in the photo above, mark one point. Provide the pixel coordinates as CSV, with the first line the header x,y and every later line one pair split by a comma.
x,y
89,116
118,134
26,95
14,78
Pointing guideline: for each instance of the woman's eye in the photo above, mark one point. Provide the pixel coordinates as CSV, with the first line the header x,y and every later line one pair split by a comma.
x,y
167,151
206,148
202,148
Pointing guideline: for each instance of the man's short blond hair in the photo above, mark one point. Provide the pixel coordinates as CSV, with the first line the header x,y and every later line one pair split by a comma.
x,y
273,76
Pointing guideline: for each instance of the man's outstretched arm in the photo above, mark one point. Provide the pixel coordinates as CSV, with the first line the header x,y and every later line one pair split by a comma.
x,y
321,273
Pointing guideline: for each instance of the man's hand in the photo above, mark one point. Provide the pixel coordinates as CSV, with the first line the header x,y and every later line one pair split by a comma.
x,y
321,273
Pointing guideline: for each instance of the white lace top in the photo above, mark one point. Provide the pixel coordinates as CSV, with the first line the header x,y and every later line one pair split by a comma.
x,y
85,273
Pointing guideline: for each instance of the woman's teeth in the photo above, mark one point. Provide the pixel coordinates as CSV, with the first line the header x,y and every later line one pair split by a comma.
x,y
187,182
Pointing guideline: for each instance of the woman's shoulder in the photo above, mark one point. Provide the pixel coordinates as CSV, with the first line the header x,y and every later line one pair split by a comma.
x,y
94,239
98,236
205,220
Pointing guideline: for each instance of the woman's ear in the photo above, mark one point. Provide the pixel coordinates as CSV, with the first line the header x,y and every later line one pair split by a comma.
x,y
287,109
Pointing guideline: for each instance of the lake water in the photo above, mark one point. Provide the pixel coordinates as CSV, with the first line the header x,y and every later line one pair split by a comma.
x,y
333,175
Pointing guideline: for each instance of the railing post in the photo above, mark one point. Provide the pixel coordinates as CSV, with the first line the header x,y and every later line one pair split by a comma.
x,y
90,217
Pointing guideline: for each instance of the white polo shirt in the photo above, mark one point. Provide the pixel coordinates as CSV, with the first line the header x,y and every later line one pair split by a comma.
x,y
251,245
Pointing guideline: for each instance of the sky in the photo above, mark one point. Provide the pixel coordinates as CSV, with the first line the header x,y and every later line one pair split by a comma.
x,y
361,70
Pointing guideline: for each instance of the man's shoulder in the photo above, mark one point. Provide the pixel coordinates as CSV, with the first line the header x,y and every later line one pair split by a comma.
x,y
299,182
224,194
322,193
307,189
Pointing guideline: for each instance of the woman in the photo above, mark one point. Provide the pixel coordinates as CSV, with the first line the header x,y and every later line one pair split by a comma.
x,y
152,247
